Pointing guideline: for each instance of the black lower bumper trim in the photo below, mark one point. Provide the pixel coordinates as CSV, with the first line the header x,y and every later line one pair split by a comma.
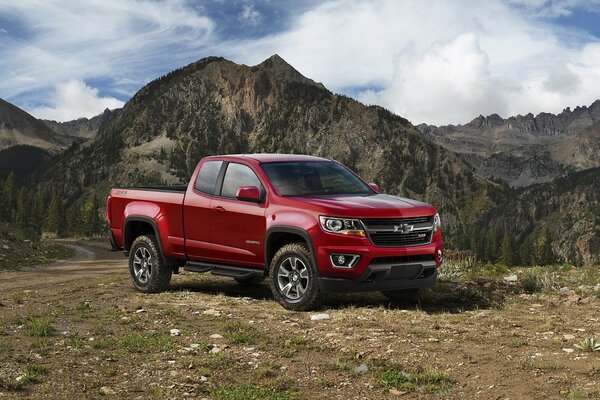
x,y
385,277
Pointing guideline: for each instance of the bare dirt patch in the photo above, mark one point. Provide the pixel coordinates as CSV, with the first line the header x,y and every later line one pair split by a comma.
x,y
78,329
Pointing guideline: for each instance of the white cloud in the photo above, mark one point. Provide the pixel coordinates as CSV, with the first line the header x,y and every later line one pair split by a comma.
x,y
74,99
105,39
438,62
250,15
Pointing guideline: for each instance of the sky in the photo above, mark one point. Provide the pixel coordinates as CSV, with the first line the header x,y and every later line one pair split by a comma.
x,y
436,62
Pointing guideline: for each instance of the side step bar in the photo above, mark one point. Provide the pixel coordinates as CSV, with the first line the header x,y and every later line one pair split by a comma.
x,y
221,270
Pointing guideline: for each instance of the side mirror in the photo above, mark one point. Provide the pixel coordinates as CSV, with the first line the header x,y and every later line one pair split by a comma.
x,y
248,193
374,186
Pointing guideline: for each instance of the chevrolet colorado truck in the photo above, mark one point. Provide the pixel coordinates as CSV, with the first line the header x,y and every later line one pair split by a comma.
x,y
308,224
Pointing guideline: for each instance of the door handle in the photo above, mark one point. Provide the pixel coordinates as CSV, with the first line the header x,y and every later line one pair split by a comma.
x,y
219,210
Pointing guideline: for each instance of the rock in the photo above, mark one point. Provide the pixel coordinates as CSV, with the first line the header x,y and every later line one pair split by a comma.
x,y
567,350
511,278
396,392
106,391
203,379
175,332
216,336
319,317
564,289
212,312
361,369
573,298
568,336
141,310
215,350
5,247
588,300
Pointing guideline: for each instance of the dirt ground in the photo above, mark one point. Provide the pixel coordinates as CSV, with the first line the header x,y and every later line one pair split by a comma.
x,y
78,329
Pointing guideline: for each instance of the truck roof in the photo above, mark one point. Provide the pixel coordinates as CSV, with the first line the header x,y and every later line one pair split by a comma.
x,y
266,157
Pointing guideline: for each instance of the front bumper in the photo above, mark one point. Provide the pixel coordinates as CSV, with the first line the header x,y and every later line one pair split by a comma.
x,y
379,268
383,277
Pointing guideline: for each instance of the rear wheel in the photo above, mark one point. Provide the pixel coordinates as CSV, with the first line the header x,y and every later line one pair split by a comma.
x,y
146,266
403,296
293,278
253,280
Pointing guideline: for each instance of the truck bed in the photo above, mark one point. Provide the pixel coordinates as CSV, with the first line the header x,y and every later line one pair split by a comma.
x,y
155,203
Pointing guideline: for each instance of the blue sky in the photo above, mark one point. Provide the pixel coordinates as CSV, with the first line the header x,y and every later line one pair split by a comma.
x,y
435,62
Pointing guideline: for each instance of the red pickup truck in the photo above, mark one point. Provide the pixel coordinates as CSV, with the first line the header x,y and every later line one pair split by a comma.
x,y
309,224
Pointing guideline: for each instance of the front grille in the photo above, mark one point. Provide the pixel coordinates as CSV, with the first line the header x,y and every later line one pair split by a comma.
x,y
400,239
386,223
403,259
391,232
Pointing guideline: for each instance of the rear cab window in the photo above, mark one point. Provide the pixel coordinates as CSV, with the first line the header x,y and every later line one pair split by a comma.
x,y
206,181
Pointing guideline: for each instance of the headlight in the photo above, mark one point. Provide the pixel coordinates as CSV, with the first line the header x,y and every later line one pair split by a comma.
x,y
437,223
343,226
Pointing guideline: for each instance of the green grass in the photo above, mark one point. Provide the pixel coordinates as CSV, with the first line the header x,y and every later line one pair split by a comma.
x,y
75,340
241,338
36,325
137,342
252,392
11,385
412,379
33,373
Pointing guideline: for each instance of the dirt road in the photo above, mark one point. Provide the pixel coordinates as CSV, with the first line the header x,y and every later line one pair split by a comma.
x,y
78,329
88,262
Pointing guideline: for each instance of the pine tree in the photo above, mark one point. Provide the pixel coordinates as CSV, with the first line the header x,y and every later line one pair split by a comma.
x,y
10,189
508,251
4,210
23,208
55,220
544,254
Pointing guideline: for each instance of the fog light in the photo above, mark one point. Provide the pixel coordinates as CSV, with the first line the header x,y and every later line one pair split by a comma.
x,y
344,260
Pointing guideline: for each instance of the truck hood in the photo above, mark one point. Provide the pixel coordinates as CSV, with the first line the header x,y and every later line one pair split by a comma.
x,y
375,206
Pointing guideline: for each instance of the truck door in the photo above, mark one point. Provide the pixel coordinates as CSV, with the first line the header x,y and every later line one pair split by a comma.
x,y
238,227
196,211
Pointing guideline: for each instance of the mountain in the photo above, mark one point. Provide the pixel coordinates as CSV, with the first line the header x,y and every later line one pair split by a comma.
x,y
215,106
82,128
17,127
524,150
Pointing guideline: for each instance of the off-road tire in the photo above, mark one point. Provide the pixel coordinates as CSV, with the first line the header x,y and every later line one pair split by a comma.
x,y
311,299
253,280
160,275
403,296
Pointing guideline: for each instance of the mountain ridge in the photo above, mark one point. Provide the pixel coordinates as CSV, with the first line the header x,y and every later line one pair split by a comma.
x,y
523,150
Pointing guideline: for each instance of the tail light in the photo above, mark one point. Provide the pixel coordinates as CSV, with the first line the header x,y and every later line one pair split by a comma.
x,y
108,209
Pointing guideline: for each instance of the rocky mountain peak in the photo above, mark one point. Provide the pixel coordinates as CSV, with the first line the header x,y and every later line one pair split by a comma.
x,y
281,69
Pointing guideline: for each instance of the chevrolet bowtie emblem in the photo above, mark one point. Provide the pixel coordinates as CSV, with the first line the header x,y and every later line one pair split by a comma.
x,y
404,228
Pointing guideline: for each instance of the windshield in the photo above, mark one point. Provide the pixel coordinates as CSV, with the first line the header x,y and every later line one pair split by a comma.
x,y
312,178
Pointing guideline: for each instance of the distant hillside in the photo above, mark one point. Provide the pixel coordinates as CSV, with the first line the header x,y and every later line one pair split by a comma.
x,y
17,127
83,128
23,160
524,150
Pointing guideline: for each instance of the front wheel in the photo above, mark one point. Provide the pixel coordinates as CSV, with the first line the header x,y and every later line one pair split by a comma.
x,y
294,279
146,266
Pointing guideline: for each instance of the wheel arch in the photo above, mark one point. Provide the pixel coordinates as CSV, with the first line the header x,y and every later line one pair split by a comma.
x,y
135,226
278,236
